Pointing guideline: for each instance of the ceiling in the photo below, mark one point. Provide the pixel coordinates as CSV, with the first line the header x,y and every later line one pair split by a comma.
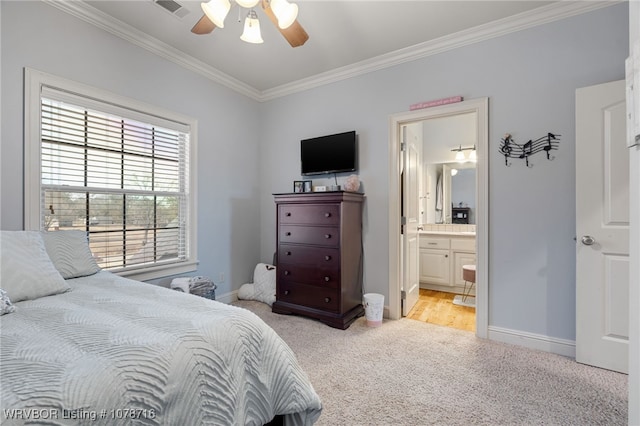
x,y
346,38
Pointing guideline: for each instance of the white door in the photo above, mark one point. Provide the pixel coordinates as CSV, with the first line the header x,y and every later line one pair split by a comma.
x,y
411,214
602,227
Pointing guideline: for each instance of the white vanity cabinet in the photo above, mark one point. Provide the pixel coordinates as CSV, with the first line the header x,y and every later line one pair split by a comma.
x,y
435,261
441,260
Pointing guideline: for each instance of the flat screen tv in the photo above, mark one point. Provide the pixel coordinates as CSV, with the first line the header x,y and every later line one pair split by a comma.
x,y
329,154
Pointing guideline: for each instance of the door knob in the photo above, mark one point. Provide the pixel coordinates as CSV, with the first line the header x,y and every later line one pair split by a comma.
x,y
588,240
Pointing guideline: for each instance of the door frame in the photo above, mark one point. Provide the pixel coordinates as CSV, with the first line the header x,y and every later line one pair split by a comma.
x,y
481,107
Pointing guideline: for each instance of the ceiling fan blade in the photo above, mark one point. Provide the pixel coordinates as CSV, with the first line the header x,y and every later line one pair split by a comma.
x,y
203,26
295,34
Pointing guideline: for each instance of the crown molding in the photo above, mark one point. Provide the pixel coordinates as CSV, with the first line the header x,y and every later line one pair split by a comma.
x,y
553,12
539,16
95,17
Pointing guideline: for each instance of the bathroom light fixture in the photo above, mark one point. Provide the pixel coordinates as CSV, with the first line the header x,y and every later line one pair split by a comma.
x,y
460,157
472,155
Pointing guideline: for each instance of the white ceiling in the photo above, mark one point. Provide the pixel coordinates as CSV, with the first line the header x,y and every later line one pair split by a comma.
x,y
345,37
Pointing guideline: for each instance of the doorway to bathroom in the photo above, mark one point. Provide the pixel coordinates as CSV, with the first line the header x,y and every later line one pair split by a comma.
x,y
433,235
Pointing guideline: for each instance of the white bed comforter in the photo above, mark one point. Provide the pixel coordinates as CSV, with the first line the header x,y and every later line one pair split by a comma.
x,y
116,351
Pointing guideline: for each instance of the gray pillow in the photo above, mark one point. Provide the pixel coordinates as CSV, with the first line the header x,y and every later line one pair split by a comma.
x,y
26,270
69,251
6,307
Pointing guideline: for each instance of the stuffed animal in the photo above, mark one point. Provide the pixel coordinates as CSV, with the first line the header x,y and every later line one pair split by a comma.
x,y
263,287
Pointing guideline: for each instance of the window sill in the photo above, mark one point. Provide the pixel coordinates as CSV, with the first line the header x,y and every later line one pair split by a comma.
x,y
160,271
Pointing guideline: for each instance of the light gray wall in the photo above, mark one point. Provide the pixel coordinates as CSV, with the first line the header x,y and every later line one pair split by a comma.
x,y
228,132
530,78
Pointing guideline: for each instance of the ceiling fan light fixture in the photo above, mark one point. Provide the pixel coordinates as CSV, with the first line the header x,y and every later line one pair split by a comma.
x,y
251,33
285,12
216,11
248,4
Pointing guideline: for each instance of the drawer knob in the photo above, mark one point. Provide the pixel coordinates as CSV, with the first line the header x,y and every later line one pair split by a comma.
x,y
327,299
288,234
327,258
327,214
288,253
327,279
286,292
286,272
327,236
288,214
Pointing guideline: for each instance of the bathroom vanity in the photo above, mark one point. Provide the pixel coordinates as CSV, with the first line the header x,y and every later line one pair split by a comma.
x,y
442,254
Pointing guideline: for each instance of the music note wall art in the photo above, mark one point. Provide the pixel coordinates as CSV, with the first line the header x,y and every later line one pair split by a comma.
x,y
510,149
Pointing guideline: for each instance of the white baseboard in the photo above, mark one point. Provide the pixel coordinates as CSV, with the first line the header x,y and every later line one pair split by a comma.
x,y
513,337
533,341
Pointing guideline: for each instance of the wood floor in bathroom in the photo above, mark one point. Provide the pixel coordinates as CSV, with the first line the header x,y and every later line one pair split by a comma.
x,y
436,307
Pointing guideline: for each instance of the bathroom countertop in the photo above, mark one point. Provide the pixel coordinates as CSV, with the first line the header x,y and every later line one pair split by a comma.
x,y
449,233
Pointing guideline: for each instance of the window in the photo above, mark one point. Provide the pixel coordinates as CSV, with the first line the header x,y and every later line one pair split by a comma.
x,y
115,168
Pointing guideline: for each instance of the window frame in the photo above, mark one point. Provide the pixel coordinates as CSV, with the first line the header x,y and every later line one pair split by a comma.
x,y
34,82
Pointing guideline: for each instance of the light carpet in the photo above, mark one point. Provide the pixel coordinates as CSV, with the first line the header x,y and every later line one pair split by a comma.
x,y
408,372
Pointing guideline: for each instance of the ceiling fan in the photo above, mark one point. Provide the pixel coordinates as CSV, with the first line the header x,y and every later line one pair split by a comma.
x,y
280,12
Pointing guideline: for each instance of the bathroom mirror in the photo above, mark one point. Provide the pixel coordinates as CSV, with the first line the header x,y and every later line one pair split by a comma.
x,y
448,183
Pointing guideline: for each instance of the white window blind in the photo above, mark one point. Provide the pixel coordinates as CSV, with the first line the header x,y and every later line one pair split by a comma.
x,y
120,174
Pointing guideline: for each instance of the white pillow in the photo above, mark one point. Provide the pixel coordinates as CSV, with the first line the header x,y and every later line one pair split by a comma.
x,y
6,307
263,288
25,268
69,251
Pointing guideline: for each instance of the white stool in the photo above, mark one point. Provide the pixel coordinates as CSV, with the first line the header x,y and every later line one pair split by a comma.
x,y
469,277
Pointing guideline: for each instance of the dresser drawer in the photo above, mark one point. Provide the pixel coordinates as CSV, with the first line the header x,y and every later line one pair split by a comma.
x,y
314,235
305,274
434,243
313,214
310,296
304,255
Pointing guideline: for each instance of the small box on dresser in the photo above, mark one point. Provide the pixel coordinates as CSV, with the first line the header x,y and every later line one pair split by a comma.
x,y
319,256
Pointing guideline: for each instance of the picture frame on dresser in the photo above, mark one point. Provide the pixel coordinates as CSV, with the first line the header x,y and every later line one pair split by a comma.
x,y
301,186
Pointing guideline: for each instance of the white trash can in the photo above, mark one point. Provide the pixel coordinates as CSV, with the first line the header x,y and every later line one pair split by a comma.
x,y
373,309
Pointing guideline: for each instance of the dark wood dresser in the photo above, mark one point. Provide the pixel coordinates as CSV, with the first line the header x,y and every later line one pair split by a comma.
x,y
319,256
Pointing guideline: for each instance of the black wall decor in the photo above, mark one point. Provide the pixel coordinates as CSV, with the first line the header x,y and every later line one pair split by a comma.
x,y
510,149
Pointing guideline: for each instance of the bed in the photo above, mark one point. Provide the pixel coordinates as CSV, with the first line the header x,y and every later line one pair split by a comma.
x,y
106,349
